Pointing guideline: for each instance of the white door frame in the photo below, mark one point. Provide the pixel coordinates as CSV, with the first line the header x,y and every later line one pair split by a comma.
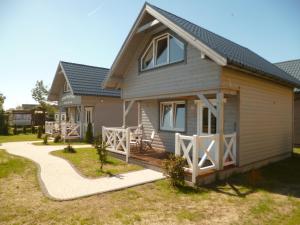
x,y
200,106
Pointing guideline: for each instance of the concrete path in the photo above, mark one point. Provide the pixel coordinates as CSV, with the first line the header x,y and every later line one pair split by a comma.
x,y
60,181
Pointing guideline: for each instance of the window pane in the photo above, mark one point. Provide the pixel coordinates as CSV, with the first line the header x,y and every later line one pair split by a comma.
x,y
180,116
161,51
205,120
213,126
176,50
147,61
166,117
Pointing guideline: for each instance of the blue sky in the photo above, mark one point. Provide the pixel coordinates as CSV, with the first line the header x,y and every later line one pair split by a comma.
x,y
35,35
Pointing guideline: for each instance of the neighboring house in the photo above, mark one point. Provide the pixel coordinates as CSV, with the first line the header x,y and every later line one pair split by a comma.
x,y
26,115
81,100
228,105
293,67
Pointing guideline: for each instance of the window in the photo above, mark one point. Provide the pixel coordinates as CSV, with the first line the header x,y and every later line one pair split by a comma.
x,y
164,49
66,87
172,116
207,122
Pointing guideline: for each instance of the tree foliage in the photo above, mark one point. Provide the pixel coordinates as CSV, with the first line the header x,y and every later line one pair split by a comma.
x,y
2,99
40,92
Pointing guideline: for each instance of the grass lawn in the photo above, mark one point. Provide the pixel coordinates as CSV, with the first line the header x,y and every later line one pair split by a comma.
x,y
86,161
18,137
51,143
274,199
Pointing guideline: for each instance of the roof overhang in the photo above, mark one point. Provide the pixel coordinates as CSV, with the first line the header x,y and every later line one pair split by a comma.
x,y
112,82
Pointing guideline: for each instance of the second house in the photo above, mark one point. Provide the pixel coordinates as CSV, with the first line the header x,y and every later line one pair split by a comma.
x,y
81,101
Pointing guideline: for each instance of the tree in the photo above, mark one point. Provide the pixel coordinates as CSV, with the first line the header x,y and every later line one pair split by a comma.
x,y
2,99
40,93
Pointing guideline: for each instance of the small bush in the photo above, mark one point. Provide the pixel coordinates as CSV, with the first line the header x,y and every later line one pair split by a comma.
x,y
15,130
24,130
45,139
57,138
89,136
69,149
101,148
33,129
39,132
174,170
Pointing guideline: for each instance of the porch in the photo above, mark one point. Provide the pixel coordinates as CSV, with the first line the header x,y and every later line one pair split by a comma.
x,y
201,127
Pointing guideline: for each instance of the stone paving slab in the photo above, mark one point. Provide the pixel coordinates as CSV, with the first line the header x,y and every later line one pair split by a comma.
x,y
60,181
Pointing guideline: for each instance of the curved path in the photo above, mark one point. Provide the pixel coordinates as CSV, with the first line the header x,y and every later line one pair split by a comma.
x,y
60,181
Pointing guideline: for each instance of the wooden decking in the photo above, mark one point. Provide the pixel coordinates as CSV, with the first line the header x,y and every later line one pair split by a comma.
x,y
152,156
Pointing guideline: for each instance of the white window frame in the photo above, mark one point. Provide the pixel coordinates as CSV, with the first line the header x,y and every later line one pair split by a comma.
x,y
154,44
88,110
66,87
172,117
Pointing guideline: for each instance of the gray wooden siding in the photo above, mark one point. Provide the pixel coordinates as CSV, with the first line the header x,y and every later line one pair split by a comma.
x,y
265,120
165,140
297,120
193,75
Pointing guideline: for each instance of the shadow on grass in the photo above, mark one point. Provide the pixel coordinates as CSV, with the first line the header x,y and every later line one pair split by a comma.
x,y
282,177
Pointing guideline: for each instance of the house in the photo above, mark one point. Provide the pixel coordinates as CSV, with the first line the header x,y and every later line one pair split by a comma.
x,y
26,115
293,68
218,104
81,101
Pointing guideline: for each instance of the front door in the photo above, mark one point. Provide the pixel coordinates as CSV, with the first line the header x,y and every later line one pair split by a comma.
x,y
206,121
88,115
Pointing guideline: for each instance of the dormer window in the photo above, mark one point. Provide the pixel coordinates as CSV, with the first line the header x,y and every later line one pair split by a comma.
x,y
164,49
66,87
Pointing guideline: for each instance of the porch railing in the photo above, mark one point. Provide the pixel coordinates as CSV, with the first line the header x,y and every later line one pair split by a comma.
x,y
118,139
51,127
201,152
70,130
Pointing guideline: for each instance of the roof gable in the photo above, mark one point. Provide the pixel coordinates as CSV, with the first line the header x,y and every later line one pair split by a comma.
x,y
292,67
82,79
219,49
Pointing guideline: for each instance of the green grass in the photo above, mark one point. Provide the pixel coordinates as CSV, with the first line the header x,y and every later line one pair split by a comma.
x,y
297,150
272,199
18,137
10,164
51,143
86,161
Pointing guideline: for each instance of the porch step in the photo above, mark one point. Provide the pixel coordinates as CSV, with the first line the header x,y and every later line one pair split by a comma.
x,y
136,161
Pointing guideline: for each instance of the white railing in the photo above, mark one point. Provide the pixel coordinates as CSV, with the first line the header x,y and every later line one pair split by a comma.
x,y
70,130
51,127
200,152
229,149
118,139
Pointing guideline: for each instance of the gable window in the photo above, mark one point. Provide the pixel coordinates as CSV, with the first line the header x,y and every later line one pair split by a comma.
x,y
172,116
66,87
164,49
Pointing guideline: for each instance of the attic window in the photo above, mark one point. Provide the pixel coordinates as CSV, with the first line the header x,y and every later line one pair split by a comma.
x,y
164,49
66,87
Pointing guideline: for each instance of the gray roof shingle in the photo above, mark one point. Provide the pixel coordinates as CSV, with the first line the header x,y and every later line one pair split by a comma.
x,y
86,80
292,67
235,54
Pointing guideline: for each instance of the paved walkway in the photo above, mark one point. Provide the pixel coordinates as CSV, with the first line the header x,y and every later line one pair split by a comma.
x,y
60,181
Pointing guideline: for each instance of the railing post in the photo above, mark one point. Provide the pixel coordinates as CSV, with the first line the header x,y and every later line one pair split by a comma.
x,y
234,148
195,160
177,144
217,148
103,134
127,144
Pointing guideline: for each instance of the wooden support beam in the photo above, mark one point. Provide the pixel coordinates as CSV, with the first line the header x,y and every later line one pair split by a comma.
x,y
147,26
220,128
208,104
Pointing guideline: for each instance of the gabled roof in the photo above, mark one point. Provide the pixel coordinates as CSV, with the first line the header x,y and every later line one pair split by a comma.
x,y
83,80
219,49
292,67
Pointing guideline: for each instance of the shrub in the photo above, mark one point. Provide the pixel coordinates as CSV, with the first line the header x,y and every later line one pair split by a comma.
x,y
101,148
33,129
89,134
57,138
39,132
69,148
45,139
15,130
3,123
24,130
174,170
